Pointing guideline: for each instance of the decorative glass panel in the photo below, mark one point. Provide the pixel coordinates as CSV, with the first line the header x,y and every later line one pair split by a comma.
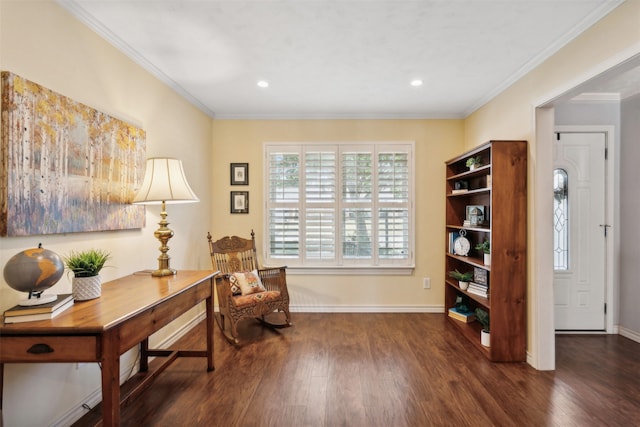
x,y
560,220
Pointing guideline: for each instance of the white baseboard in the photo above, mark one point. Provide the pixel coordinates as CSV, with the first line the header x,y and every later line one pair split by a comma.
x,y
367,309
628,333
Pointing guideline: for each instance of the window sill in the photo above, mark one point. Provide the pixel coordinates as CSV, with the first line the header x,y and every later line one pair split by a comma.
x,y
350,271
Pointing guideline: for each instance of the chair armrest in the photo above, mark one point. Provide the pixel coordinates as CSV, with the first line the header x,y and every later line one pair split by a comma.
x,y
223,289
274,279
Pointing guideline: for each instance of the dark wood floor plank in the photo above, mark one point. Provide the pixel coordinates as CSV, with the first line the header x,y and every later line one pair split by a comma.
x,y
387,369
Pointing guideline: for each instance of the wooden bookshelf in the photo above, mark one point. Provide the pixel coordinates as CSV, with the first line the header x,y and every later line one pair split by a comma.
x,y
500,186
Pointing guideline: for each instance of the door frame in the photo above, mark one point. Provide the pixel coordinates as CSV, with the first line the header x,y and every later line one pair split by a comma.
x,y
612,215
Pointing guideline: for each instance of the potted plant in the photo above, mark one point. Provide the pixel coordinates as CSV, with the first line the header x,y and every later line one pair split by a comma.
x,y
474,162
482,316
485,247
462,278
85,266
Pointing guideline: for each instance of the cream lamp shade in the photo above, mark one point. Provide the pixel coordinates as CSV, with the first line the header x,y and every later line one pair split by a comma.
x,y
164,182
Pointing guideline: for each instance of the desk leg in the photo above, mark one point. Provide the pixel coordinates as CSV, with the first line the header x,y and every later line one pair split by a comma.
x,y
1,389
110,380
144,355
209,320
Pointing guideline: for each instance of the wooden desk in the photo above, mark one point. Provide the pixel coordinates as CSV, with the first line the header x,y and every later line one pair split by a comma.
x,y
100,330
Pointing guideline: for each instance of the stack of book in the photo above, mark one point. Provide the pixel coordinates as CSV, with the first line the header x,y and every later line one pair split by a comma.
x,y
478,289
30,313
463,316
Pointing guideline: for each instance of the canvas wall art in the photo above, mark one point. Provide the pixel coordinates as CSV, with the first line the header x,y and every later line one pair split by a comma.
x,y
65,167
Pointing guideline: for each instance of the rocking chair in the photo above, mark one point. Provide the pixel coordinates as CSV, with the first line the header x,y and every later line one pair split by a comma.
x,y
244,290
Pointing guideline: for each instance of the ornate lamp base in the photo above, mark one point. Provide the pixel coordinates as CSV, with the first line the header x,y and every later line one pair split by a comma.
x,y
163,234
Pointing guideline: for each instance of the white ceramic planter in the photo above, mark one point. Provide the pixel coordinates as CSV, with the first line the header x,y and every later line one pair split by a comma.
x,y
487,259
485,338
86,288
463,285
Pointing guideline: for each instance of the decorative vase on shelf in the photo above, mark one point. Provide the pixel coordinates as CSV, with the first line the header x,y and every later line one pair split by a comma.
x,y
485,338
487,259
86,288
463,285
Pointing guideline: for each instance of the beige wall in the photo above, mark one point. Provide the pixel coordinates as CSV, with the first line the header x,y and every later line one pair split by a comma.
x,y
435,141
512,115
43,43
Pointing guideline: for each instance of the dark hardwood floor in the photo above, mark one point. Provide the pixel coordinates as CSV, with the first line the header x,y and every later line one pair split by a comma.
x,y
388,369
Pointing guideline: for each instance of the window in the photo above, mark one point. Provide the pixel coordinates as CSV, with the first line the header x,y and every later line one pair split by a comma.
x,y
560,220
339,205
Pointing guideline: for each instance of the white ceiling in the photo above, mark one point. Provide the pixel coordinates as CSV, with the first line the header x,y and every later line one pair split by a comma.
x,y
337,58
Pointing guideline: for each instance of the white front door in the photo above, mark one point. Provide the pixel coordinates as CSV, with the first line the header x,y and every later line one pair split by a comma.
x,y
579,231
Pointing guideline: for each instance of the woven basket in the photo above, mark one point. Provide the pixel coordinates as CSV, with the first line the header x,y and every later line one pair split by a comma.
x,y
85,288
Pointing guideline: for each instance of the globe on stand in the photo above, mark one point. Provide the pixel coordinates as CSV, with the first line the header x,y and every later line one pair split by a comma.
x,y
34,271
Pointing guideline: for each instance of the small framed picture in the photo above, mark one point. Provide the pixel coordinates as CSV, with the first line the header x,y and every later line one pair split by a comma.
x,y
239,202
475,215
480,276
239,173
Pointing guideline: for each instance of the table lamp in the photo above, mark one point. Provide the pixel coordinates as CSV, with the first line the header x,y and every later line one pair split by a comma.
x,y
164,182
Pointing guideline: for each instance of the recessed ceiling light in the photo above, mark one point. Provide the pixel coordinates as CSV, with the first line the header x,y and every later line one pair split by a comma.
x,y
263,83
416,82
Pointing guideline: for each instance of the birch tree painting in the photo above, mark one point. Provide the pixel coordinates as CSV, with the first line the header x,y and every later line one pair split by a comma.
x,y
65,167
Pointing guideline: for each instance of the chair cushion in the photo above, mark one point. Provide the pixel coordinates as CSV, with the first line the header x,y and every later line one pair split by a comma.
x,y
248,281
244,300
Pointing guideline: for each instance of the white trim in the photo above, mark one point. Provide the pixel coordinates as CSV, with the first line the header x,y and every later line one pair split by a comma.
x,y
542,329
367,309
597,97
626,58
628,333
351,271
338,116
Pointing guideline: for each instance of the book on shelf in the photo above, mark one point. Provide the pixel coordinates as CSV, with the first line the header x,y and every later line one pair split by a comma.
x,y
453,235
39,316
24,310
478,293
483,292
478,286
463,316
460,191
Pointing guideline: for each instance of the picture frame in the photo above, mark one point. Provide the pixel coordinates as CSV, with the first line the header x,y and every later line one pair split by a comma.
x,y
239,173
476,215
480,276
239,202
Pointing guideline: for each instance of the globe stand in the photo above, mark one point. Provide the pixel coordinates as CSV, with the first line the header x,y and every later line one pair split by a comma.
x,y
37,298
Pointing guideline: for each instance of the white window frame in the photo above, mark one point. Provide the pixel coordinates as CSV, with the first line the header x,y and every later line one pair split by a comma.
x,y
341,266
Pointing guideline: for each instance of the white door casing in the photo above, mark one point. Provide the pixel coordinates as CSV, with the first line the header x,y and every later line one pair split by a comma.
x,y
579,291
